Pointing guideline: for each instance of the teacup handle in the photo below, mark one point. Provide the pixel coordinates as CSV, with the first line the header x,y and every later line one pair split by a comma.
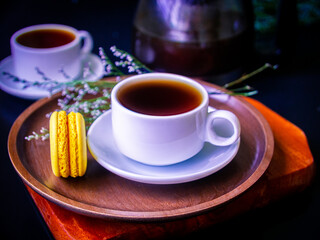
x,y
87,42
222,128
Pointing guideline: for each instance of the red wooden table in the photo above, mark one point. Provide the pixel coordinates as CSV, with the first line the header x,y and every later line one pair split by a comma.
x,y
291,170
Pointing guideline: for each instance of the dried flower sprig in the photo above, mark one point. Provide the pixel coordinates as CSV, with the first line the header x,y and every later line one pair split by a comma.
x,y
43,135
109,67
75,94
128,61
250,75
76,99
47,84
245,90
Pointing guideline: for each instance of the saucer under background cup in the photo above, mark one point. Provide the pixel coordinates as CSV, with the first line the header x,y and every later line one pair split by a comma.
x,y
34,93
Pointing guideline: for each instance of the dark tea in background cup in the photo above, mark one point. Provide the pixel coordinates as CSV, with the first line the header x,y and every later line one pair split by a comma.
x,y
53,49
45,38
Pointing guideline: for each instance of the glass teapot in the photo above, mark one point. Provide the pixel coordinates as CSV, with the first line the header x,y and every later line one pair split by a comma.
x,y
193,37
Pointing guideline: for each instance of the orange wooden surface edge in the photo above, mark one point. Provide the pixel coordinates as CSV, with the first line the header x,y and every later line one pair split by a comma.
x,y
291,170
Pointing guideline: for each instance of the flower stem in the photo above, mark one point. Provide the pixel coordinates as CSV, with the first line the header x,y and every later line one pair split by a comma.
x,y
249,75
104,84
231,93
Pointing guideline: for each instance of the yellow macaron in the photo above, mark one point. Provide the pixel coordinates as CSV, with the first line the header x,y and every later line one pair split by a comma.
x,y
68,144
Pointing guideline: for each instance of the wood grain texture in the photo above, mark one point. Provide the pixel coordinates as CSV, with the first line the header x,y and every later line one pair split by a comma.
x,y
291,170
102,194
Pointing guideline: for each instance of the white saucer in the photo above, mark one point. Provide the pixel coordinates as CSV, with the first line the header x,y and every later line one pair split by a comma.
x,y
103,148
34,93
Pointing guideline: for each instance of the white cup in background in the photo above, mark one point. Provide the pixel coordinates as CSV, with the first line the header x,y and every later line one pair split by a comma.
x,y
55,50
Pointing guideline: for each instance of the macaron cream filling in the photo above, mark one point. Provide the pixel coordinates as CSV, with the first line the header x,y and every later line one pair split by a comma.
x,y
74,153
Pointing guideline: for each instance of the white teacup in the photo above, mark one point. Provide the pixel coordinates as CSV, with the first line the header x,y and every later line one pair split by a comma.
x,y
53,49
167,139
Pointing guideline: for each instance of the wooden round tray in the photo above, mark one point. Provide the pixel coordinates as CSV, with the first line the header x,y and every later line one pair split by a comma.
x,y
101,193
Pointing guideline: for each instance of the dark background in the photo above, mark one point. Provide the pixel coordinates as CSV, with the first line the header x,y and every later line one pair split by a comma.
x,y
292,91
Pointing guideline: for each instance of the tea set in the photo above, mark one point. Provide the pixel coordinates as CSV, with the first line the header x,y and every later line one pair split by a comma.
x,y
186,144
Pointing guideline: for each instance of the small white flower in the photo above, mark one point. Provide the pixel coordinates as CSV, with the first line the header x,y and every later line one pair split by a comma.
x,y
108,68
48,115
61,103
64,92
106,93
131,69
117,54
86,86
95,113
129,58
43,130
98,103
45,137
81,91
84,107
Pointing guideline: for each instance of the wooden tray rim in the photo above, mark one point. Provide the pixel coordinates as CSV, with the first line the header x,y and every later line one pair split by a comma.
x,y
94,211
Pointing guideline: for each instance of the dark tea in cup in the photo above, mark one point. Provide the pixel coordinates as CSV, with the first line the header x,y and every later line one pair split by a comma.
x,y
159,97
45,38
